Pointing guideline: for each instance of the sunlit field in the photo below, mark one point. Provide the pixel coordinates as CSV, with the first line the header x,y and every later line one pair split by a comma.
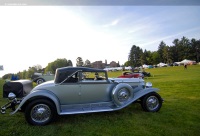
x,y
179,115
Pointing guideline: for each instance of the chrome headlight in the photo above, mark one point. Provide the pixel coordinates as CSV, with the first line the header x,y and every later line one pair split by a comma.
x,y
149,85
11,96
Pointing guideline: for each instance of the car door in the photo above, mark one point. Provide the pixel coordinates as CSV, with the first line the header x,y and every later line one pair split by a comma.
x,y
93,91
68,92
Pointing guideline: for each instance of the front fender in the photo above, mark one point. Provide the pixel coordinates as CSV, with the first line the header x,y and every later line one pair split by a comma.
x,y
41,93
143,92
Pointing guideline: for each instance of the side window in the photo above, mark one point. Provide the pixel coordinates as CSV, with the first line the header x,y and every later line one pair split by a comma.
x,y
61,76
93,76
73,78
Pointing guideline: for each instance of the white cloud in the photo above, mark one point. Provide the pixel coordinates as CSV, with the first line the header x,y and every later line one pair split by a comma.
x,y
113,23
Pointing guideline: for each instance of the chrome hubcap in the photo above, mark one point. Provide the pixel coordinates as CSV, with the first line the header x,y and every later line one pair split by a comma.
x,y
40,113
123,95
152,103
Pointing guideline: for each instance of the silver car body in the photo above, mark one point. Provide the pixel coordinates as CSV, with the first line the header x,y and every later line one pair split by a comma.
x,y
86,96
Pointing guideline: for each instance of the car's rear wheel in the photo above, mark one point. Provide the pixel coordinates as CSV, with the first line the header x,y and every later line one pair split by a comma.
x,y
40,112
151,102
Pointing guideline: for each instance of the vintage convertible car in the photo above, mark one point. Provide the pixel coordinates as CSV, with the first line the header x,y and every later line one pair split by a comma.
x,y
83,90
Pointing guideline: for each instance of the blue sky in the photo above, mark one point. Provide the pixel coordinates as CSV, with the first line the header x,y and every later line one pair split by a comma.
x,y
32,35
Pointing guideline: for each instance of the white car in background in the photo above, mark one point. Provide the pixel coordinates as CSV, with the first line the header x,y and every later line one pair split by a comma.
x,y
162,65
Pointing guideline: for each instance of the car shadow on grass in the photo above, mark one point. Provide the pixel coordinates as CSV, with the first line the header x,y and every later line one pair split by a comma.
x,y
131,110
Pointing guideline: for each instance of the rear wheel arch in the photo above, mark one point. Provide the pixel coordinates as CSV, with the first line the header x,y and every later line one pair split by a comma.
x,y
35,98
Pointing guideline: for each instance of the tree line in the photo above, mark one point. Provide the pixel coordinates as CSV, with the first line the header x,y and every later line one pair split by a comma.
x,y
180,49
52,66
183,48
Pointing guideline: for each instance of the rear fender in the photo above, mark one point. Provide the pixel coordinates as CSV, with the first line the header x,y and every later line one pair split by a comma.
x,y
41,93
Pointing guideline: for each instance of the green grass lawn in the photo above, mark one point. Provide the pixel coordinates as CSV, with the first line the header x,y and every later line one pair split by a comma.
x,y
179,115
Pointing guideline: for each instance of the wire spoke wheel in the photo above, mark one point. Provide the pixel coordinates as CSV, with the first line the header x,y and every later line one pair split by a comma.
x,y
40,113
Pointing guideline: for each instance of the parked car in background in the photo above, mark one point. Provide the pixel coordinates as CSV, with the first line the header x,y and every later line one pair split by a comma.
x,y
40,78
78,90
131,75
162,65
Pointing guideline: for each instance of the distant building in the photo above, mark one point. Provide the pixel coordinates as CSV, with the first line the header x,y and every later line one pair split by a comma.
x,y
114,64
101,65
98,64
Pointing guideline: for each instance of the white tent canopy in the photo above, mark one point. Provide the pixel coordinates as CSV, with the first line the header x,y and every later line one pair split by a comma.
x,y
190,62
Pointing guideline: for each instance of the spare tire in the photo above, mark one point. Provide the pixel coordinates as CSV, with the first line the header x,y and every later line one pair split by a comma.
x,y
122,93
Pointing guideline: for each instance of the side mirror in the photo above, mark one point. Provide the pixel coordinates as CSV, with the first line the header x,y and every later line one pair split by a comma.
x,y
11,96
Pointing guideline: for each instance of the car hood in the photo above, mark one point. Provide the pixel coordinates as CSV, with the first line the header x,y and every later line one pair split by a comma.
x,y
133,80
43,86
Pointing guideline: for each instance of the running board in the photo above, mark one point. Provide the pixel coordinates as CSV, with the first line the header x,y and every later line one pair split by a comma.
x,y
87,108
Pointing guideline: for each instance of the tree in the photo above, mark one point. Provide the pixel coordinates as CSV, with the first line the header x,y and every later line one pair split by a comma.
x,y
79,62
195,49
146,57
160,50
155,57
135,56
24,74
87,63
127,63
167,55
37,67
184,47
31,71
7,76
52,66
70,63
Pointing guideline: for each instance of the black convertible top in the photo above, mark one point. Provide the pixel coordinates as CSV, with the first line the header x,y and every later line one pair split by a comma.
x,y
84,69
64,72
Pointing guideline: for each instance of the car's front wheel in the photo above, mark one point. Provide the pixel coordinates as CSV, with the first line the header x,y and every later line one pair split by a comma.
x,y
40,112
151,102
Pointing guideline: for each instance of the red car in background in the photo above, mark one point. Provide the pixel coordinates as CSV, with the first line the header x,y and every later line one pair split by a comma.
x,y
131,75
